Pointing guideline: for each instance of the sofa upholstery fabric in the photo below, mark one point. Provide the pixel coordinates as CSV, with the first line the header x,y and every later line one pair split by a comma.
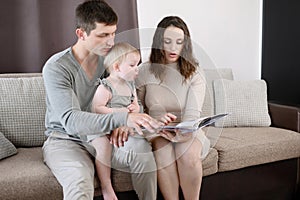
x,y
208,107
27,177
6,147
23,106
247,146
246,101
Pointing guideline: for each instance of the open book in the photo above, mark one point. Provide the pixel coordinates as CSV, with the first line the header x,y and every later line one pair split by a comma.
x,y
191,126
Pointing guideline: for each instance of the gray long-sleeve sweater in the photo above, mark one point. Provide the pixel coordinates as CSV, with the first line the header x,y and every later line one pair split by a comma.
x,y
69,93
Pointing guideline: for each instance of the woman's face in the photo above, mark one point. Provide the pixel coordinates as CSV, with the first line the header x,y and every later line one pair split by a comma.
x,y
173,43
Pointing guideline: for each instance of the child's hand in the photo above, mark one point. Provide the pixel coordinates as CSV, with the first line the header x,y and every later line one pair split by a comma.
x,y
167,118
133,108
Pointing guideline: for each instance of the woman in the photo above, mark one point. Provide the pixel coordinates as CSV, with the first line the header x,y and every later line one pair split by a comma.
x,y
172,82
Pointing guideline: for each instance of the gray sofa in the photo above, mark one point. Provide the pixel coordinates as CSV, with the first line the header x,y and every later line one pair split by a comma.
x,y
245,161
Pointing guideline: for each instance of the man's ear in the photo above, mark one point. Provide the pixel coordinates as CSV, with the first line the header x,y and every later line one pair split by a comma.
x,y
80,33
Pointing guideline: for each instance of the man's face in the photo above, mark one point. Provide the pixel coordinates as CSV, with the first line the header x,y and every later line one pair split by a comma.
x,y
101,39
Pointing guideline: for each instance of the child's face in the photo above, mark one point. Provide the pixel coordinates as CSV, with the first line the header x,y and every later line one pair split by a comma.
x,y
128,69
173,43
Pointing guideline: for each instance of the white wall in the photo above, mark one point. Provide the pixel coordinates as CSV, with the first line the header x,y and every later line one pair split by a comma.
x,y
228,31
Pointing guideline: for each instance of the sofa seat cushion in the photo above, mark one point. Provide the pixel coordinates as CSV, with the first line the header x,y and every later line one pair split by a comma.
x,y
27,172
25,176
122,180
210,163
246,146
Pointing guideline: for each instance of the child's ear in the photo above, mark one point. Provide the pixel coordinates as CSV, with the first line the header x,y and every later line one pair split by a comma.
x,y
116,67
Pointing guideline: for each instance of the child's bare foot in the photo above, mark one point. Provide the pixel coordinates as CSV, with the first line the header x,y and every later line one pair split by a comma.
x,y
108,193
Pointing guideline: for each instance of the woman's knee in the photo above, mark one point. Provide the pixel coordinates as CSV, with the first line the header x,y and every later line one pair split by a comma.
x,y
164,153
190,161
190,156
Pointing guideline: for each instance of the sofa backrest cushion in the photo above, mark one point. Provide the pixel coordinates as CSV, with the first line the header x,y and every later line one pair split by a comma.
x,y
22,110
246,101
208,107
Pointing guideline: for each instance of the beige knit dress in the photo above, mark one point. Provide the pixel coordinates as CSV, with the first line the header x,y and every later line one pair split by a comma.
x,y
174,95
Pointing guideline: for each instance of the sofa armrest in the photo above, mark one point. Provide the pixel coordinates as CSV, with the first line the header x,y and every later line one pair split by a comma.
x,y
285,116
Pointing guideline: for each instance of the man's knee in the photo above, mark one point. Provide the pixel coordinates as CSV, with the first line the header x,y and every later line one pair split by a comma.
x,y
137,155
143,163
80,185
73,167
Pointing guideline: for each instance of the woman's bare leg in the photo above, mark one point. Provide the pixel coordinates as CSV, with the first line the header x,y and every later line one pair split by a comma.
x,y
103,166
167,174
189,168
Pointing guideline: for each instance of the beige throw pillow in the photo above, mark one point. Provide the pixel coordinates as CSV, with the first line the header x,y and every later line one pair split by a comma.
x,y
6,147
208,107
246,101
23,108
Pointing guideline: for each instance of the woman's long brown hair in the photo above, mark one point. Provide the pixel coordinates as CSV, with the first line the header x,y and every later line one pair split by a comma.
x,y
186,61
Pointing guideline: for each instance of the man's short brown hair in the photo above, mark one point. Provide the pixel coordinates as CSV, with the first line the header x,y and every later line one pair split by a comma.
x,y
92,11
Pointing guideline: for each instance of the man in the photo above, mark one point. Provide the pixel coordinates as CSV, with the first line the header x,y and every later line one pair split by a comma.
x,y
70,79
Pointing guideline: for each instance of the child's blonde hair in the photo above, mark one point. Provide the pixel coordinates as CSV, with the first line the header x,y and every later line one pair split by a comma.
x,y
118,54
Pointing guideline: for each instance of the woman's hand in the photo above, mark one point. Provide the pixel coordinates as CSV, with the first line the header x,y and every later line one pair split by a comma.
x,y
167,118
176,135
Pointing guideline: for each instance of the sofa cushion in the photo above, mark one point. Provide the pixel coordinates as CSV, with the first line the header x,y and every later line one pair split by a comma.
x,y
208,107
212,134
246,146
23,110
27,172
6,147
25,176
122,180
246,101
210,163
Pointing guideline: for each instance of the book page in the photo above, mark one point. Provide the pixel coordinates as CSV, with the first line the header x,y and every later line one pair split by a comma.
x,y
193,125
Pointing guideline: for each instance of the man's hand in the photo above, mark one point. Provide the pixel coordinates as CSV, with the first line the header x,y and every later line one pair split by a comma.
x,y
138,120
120,135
